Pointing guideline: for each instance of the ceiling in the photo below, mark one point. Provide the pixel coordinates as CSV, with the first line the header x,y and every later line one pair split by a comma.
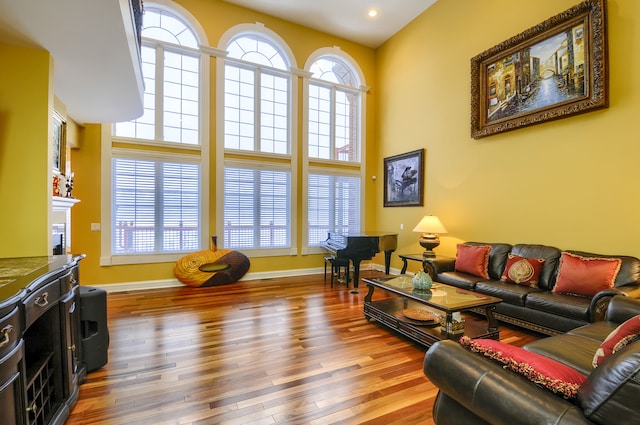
x,y
96,71
345,18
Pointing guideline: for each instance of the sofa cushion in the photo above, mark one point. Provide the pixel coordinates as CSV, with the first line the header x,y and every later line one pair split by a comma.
x,y
508,292
572,306
585,275
596,331
574,351
473,259
551,257
459,280
541,370
610,393
522,270
620,337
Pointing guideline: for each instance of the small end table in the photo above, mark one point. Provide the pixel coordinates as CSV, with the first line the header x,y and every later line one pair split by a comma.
x,y
427,266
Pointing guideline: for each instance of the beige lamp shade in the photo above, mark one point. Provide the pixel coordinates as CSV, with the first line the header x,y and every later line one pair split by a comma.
x,y
430,226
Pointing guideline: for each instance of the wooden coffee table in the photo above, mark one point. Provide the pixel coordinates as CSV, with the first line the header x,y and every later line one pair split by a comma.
x,y
442,300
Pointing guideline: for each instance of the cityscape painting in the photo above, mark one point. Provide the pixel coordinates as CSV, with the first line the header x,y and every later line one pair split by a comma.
x,y
556,69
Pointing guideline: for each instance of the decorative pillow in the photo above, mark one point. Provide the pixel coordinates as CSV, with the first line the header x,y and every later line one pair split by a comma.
x,y
625,334
539,369
586,275
522,270
473,259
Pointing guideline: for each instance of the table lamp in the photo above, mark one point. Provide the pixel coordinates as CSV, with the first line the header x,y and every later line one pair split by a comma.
x,y
430,226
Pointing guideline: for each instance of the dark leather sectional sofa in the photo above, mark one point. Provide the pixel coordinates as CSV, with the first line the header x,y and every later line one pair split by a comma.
x,y
476,390
539,309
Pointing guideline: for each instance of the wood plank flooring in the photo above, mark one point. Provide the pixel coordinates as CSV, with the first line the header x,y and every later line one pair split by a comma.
x,y
274,351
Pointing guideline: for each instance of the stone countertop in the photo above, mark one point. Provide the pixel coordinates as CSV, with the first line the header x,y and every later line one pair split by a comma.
x,y
17,275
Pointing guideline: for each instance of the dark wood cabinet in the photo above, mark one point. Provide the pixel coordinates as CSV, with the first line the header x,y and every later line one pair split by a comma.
x,y
11,386
40,357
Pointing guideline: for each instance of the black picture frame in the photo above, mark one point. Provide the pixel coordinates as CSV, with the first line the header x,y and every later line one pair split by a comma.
x,y
520,82
404,179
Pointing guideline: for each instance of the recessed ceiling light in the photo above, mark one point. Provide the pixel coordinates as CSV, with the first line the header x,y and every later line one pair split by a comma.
x,y
372,13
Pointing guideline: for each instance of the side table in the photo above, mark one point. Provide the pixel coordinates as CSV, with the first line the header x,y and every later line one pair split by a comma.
x,y
427,264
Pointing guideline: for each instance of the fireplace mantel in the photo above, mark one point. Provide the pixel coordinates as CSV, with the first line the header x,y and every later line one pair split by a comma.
x,y
61,204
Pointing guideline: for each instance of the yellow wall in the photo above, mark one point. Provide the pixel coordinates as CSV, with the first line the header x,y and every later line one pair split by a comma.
x,y
26,102
571,183
216,17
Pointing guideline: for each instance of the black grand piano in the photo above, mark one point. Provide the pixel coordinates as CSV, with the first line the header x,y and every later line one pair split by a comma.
x,y
358,247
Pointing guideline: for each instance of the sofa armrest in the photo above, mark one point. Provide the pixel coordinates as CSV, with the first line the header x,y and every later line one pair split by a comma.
x,y
496,395
600,302
435,266
622,308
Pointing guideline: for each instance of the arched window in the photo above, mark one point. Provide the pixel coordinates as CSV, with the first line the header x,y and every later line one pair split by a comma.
x,y
334,113
170,67
334,110
156,195
256,106
259,190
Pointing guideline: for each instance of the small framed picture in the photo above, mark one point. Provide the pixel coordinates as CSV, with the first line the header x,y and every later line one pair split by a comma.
x,y
59,151
404,179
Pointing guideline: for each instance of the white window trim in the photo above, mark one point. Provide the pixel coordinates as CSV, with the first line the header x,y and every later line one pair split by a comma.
x,y
275,166
313,169
221,60
307,168
107,258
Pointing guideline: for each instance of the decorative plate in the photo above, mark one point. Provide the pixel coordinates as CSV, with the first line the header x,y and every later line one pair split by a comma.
x,y
418,316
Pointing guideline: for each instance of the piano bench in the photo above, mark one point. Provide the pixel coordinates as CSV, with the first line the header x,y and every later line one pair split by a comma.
x,y
336,265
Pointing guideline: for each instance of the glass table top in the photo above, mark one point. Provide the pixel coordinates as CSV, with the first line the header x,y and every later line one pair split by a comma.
x,y
442,296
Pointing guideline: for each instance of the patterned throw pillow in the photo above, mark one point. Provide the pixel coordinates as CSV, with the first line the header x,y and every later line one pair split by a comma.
x,y
522,270
623,335
586,275
473,259
541,370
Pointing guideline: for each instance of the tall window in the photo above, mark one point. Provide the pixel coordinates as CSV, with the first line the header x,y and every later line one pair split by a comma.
x,y
257,187
334,111
333,136
156,189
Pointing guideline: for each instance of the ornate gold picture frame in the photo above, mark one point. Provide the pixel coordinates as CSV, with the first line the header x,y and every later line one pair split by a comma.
x,y
554,70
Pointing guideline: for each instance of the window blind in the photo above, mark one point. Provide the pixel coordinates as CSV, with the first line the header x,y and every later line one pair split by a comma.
x,y
257,211
155,207
333,206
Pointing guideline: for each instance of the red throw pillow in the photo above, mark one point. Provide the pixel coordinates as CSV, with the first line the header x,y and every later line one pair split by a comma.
x,y
586,275
522,270
625,334
473,259
539,369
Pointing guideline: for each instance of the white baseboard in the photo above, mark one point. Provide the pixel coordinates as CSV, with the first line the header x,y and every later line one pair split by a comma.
x,y
175,283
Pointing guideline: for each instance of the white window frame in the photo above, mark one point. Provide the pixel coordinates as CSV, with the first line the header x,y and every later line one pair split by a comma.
x,y
107,141
231,156
333,172
332,166
274,166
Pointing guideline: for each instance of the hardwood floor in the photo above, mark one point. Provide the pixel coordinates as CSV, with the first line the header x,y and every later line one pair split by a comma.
x,y
275,351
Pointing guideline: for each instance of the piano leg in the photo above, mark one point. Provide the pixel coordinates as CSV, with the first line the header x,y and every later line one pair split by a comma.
x,y
387,261
356,275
